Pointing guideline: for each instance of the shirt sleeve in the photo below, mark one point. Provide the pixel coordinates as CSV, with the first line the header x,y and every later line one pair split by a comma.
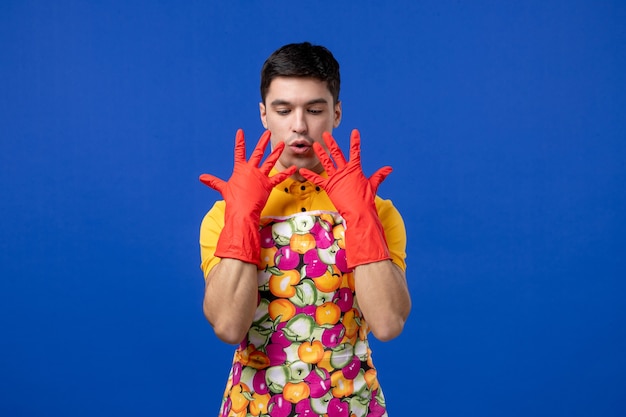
x,y
395,232
213,223
210,230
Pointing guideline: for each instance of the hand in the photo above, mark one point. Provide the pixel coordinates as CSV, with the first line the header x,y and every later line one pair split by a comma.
x,y
354,197
245,194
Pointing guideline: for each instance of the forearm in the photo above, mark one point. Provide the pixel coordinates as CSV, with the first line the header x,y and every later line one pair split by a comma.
x,y
230,298
383,296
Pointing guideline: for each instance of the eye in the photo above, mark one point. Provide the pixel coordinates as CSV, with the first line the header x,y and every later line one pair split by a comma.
x,y
283,112
316,111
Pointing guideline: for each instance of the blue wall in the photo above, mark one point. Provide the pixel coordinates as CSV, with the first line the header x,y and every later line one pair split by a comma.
x,y
504,122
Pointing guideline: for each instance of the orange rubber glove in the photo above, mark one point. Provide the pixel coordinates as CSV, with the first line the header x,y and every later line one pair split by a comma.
x,y
353,195
245,194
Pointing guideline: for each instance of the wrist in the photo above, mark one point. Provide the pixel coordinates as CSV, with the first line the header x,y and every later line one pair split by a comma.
x,y
240,239
365,239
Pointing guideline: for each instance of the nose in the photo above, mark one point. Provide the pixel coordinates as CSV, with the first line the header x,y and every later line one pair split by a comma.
x,y
299,125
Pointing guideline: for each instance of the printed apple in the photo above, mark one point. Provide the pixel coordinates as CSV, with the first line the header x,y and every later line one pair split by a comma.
x,y
341,387
344,299
320,404
317,331
313,266
325,362
244,354
351,370
267,259
299,370
328,254
361,350
342,261
247,376
276,377
276,354
311,351
281,309
302,223
281,233
258,360
303,409
328,281
302,242
267,240
239,397
263,277
332,336
278,406
261,314
227,404
295,392
377,405
259,336
292,352
299,328
259,384
338,408
259,403
358,406
306,293
326,284
328,313
360,384
319,382
283,283
371,379
339,234
286,258
236,373
327,220
342,355
323,238
278,336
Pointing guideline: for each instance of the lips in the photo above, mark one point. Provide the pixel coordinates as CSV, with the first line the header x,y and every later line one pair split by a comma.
x,y
300,146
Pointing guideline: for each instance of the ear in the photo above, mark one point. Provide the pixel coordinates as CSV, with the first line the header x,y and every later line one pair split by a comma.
x,y
263,114
338,111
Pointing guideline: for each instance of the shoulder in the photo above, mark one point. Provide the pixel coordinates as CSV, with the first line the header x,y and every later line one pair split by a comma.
x,y
386,208
213,222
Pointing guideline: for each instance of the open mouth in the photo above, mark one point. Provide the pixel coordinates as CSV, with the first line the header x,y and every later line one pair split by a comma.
x,y
300,147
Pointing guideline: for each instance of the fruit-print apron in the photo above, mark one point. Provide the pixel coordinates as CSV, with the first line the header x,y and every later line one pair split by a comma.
x,y
306,353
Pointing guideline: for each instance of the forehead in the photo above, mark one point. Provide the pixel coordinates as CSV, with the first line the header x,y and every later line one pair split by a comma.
x,y
298,90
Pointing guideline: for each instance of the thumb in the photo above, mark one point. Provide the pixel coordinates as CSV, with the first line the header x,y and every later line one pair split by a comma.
x,y
281,176
213,182
379,176
313,177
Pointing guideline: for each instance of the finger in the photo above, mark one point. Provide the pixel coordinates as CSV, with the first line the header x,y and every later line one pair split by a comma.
x,y
324,158
333,148
282,176
379,176
259,150
313,177
272,158
355,146
240,146
213,182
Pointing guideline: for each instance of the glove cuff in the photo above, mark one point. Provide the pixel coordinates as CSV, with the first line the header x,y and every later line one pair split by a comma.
x,y
240,239
365,239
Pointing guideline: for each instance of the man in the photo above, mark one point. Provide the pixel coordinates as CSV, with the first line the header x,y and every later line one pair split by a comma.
x,y
296,240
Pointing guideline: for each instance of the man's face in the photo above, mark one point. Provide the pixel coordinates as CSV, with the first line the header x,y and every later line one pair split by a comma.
x,y
297,111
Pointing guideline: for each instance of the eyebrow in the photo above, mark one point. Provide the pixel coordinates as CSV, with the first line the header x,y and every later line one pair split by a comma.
x,y
280,102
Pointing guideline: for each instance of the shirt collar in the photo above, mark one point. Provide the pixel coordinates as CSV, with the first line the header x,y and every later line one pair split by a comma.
x,y
290,185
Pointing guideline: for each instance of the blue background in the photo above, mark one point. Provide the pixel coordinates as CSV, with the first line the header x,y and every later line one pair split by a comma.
x,y
504,122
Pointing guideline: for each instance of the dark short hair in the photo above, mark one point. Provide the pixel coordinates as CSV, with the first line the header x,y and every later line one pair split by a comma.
x,y
301,60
